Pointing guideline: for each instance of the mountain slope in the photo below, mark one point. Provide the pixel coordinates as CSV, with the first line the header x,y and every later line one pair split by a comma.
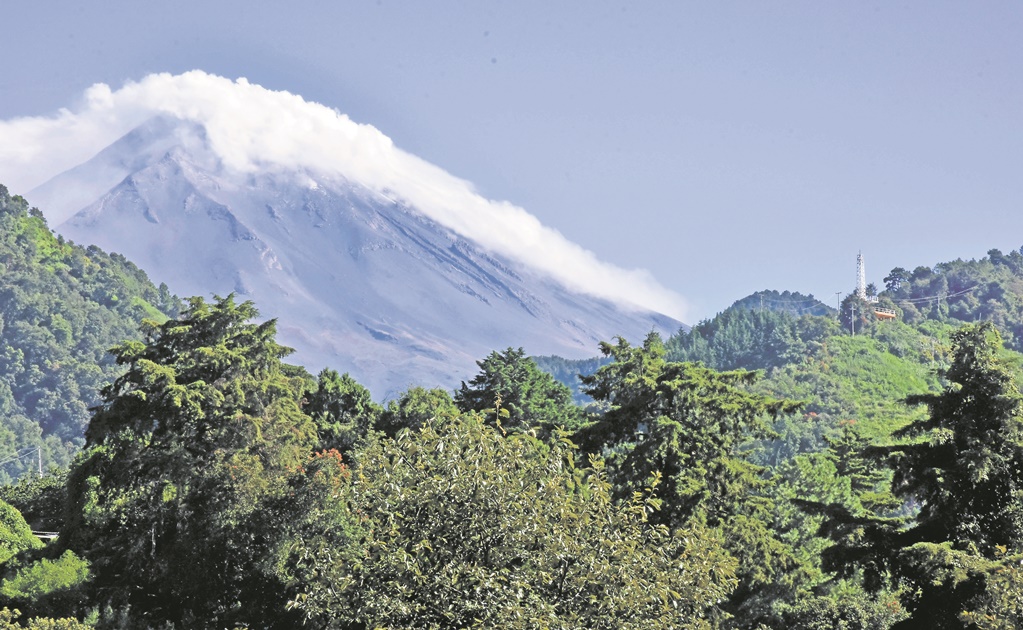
x,y
359,281
61,308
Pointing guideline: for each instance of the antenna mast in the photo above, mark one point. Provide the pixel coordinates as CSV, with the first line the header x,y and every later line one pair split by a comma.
x,y
861,291
861,277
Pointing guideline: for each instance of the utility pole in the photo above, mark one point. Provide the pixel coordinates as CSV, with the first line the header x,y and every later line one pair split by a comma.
x,y
852,317
39,455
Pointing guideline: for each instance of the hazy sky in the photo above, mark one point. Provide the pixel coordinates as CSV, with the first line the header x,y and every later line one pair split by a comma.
x,y
728,147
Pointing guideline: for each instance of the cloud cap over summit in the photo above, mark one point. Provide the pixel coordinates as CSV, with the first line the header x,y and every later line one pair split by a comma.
x,y
254,130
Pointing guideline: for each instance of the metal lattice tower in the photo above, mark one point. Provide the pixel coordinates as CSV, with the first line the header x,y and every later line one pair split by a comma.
x,y
861,277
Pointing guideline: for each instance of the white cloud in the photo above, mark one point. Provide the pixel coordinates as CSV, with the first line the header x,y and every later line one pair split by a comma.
x,y
251,128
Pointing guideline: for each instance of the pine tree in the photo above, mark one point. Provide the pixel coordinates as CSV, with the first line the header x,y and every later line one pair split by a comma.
x,y
688,424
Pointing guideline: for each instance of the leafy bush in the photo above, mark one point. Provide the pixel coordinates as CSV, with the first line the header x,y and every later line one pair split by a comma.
x,y
46,577
15,534
8,621
455,525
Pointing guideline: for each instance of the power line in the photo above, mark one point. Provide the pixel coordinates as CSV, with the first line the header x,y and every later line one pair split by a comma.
x,y
29,450
938,297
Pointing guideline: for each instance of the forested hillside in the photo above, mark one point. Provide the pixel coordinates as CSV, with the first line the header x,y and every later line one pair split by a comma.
x,y
989,289
858,367
62,307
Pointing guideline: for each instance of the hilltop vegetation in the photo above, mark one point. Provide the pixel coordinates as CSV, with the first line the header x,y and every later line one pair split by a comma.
x,y
989,289
862,377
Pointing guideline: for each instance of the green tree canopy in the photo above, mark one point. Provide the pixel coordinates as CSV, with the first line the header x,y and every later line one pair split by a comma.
x,y
9,621
171,501
414,408
342,409
460,527
15,534
689,424
511,381
682,420
965,465
961,468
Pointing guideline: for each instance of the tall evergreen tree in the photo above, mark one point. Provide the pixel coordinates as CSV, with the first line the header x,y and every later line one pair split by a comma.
x,y
173,500
689,424
965,465
511,389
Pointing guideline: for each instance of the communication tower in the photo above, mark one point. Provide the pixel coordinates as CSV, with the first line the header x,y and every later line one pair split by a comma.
x,y
861,277
861,290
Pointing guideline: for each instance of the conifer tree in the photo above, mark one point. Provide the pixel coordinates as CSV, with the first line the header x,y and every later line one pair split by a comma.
x,y
688,424
511,386
342,410
173,499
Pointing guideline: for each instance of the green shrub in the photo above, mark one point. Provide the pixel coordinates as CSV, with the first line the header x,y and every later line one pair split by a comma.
x,y
46,577
15,534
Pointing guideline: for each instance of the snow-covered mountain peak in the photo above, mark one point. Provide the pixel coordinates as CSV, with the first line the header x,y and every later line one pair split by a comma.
x,y
254,131
393,270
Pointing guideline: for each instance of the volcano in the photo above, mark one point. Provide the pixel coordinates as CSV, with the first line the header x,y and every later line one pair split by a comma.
x,y
359,279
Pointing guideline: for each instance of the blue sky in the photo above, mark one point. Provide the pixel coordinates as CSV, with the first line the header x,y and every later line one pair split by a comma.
x,y
728,147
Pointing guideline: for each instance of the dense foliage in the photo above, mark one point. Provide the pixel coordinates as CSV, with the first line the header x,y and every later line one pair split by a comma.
x,y
952,561
514,393
15,534
342,410
789,302
691,426
461,527
61,307
747,339
989,289
187,465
